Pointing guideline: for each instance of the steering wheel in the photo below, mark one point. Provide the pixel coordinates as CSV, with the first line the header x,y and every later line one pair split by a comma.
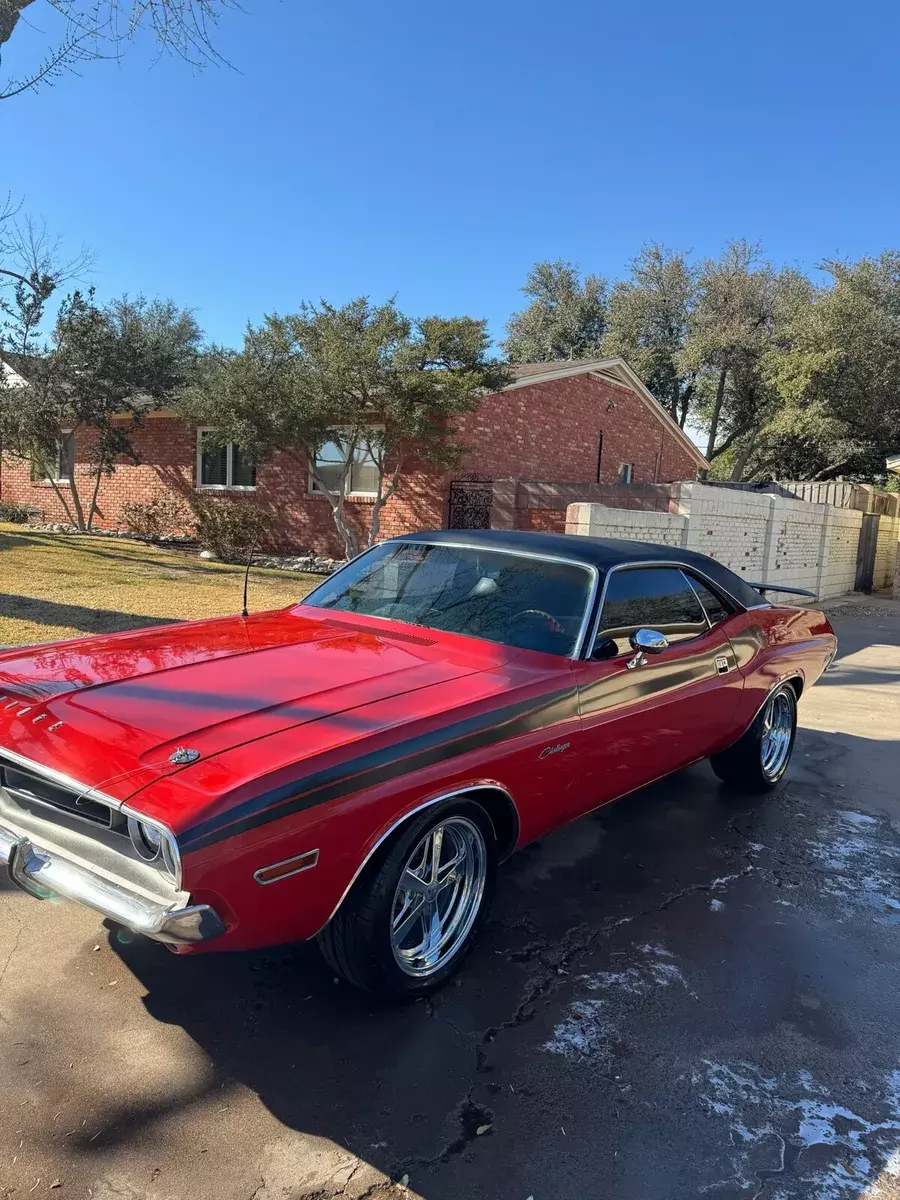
x,y
552,622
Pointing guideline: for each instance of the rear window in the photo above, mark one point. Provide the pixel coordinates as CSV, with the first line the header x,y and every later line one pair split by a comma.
x,y
716,608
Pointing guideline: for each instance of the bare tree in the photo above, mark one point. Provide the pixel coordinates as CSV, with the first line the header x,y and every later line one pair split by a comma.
x,y
85,30
33,264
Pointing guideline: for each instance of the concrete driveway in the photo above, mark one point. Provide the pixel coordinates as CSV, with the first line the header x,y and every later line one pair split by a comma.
x,y
685,995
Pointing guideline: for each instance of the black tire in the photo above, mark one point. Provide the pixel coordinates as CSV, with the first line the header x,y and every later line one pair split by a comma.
x,y
357,942
743,766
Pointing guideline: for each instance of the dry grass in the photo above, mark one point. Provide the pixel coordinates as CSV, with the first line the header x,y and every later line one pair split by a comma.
x,y
56,586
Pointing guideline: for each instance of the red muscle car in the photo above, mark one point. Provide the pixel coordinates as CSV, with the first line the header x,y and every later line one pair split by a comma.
x,y
353,768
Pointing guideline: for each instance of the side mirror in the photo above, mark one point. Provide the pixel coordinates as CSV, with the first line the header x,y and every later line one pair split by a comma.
x,y
603,649
648,641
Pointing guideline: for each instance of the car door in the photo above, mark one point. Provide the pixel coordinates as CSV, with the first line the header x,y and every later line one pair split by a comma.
x,y
646,715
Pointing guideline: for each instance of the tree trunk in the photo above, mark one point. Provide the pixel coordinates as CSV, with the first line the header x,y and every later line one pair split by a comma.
x,y
336,499
93,508
686,397
63,501
740,462
717,409
830,472
76,502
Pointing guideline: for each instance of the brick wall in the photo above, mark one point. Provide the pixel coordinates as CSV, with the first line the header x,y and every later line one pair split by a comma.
x,y
167,451
551,431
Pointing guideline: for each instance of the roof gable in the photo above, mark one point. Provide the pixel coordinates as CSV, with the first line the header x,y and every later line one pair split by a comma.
x,y
611,370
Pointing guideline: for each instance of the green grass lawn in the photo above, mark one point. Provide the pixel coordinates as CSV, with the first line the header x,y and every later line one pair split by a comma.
x,y
55,586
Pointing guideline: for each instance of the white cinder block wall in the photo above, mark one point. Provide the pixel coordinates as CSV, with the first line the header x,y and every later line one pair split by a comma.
x,y
886,550
596,520
763,538
841,546
730,526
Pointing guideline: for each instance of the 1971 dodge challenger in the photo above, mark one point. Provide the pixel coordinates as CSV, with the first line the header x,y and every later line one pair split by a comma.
x,y
354,767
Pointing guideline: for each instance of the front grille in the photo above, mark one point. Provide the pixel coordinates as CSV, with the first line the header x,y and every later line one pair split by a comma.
x,y
30,789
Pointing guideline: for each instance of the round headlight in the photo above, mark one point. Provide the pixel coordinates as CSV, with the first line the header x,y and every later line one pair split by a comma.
x,y
151,844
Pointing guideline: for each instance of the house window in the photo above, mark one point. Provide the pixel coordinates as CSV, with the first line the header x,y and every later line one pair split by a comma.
x,y
225,466
625,472
331,461
59,468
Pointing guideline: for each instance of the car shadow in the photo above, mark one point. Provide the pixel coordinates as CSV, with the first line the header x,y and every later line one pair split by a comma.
x,y
395,1082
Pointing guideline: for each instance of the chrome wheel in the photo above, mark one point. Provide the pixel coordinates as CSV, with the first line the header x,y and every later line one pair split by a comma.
x,y
777,734
438,896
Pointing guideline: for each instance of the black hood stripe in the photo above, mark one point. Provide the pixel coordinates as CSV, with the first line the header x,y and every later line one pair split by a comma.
x,y
368,770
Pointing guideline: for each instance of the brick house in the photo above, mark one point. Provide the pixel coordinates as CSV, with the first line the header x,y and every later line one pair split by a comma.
x,y
557,433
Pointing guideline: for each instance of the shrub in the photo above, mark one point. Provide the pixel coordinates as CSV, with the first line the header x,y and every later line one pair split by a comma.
x,y
230,528
163,516
16,514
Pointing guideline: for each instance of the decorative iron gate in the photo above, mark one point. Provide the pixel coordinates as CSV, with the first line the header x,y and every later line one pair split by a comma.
x,y
865,558
470,503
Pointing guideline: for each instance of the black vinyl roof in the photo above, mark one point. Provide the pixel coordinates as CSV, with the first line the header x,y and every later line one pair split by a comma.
x,y
601,553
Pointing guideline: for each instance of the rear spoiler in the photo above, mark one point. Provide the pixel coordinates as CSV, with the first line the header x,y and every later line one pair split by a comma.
x,y
787,591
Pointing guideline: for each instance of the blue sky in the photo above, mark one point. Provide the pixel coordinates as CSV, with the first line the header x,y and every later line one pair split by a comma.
x,y
435,150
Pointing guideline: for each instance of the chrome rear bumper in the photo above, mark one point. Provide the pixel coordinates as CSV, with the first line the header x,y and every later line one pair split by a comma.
x,y
45,873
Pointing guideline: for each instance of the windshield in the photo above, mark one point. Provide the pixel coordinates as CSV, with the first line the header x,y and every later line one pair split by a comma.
x,y
530,603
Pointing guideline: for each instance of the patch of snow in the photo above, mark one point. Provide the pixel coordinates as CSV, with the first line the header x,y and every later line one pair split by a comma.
x,y
585,1033
716,905
799,1111
859,859
588,1026
721,880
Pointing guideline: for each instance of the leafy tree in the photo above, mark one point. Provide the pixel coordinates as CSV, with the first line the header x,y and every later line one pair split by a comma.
x,y
730,329
383,387
102,364
836,369
649,316
84,30
566,318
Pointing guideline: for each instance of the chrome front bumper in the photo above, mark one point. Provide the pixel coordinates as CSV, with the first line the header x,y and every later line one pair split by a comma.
x,y
45,873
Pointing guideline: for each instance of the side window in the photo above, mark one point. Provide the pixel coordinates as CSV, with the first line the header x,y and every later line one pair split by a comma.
x,y
716,609
653,598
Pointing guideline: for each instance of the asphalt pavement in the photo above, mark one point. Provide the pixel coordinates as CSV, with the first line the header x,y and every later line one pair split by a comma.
x,y
685,995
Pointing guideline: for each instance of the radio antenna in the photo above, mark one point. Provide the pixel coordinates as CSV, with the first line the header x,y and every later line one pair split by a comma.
x,y
244,612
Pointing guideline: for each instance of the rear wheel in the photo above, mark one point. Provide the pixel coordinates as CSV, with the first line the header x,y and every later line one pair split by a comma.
x,y
758,760
413,914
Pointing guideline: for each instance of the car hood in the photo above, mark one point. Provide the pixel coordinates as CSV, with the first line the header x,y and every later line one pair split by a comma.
x,y
111,711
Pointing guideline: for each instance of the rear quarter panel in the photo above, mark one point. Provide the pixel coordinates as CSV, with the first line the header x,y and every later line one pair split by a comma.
x,y
776,643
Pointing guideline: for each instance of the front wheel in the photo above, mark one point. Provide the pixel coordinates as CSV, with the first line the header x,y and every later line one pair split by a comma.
x,y
758,760
414,912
